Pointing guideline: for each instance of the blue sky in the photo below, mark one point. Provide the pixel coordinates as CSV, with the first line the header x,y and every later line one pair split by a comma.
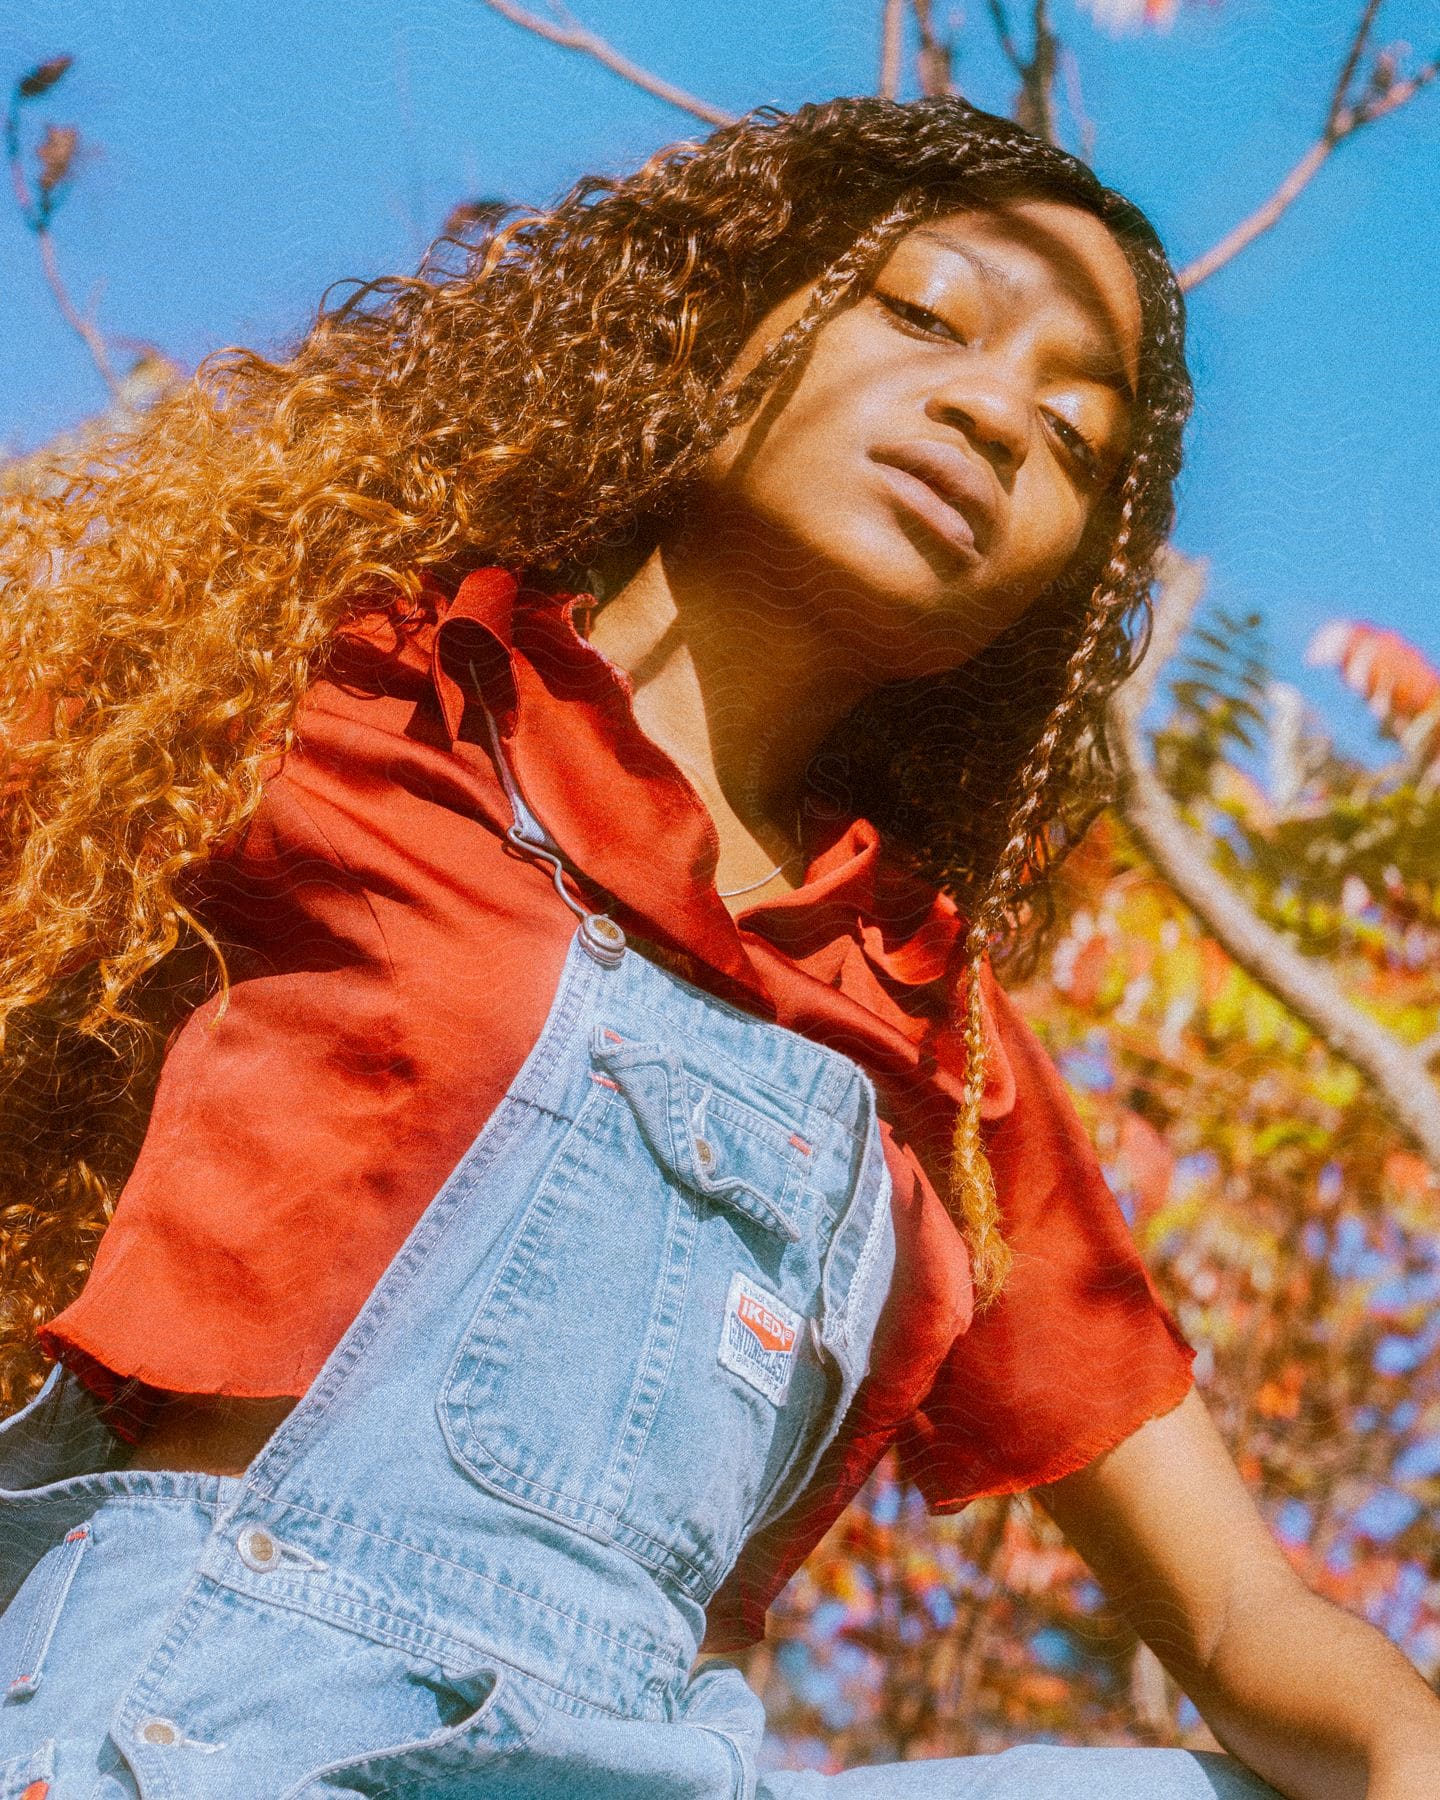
x,y
246,155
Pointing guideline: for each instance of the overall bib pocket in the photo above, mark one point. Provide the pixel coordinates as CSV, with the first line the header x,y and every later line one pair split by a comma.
x,y
642,1366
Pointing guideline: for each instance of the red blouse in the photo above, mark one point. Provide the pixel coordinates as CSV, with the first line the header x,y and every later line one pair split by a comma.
x,y
393,961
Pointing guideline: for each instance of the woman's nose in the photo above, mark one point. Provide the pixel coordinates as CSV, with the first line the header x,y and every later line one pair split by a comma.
x,y
993,412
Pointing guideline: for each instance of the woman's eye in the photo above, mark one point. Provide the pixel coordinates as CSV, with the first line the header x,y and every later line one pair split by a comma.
x,y
920,317
1077,444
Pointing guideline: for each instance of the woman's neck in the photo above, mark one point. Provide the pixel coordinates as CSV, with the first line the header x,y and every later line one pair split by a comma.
x,y
736,680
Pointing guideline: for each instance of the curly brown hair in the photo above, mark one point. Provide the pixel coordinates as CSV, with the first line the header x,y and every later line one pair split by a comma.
x,y
541,394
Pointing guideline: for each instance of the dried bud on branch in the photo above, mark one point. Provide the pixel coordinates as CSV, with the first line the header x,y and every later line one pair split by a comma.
x,y
469,215
1385,71
43,77
55,156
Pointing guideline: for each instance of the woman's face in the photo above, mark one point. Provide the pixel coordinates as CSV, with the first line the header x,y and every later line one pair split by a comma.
x,y
951,437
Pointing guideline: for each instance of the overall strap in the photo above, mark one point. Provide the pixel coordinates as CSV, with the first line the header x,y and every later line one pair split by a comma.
x,y
600,936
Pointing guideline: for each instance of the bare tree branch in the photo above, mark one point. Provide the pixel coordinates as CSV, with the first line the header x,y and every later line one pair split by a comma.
x,y
1384,93
1399,1073
1428,1048
1038,87
1035,103
956,1681
1352,58
936,58
85,329
1075,100
37,205
892,46
567,31
1000,19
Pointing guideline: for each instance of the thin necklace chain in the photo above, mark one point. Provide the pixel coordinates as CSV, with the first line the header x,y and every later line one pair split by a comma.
x,y
749,888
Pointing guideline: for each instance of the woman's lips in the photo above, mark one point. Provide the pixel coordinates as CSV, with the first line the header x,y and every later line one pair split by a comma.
x,y
935,484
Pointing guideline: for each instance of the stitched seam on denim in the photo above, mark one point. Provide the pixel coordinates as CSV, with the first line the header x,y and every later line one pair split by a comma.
x,y
869,1176
687,1227
597,1522
835,1061
813,1440
597,1519
568,1007
791,1160
407,1786
74,1543
837,1088
793,1166
128,1501
647,1644
565,1164
111,1487
746,1119
869,1250
139,1698
834,1066
736,1757
582,1706
41,1628
603,1518
44,1601
545,1112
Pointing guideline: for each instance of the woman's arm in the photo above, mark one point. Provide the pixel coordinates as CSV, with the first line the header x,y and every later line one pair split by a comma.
x,y
1312,1698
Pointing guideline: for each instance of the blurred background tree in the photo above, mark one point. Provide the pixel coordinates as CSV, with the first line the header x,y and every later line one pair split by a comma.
x,y
1243,992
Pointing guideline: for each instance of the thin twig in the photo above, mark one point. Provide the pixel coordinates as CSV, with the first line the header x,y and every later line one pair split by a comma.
x,y
892,47
1342,120
35,210
85,329
1397,1071
1352,59
570,34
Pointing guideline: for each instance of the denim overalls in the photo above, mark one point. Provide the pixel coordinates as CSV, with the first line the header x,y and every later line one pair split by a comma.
x,y
475,1558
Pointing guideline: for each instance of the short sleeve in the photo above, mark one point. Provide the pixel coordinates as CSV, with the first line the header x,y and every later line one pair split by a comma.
x,y
268,1111
1078,1351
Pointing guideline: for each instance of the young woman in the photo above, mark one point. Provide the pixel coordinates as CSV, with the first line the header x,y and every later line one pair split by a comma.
x,y
595,709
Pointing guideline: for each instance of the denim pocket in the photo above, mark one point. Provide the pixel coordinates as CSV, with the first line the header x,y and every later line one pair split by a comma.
x,y
642,1366
460,1761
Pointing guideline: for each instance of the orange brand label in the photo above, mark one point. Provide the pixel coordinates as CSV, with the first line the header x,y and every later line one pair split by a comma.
x,y
774,1334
